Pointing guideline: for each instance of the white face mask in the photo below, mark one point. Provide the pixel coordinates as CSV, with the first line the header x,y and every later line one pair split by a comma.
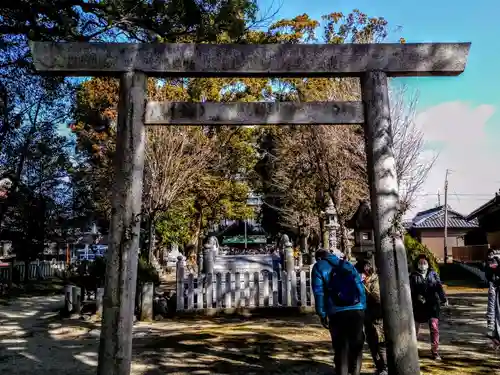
x,y
423,267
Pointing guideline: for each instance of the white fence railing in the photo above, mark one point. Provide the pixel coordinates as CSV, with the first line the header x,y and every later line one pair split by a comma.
x,y
36,269
243,290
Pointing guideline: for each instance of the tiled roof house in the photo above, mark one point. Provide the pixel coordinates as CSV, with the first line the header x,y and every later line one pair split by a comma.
x,y
428,227
488,217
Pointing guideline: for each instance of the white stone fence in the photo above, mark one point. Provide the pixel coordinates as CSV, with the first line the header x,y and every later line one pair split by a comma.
x,y
36,269
239,290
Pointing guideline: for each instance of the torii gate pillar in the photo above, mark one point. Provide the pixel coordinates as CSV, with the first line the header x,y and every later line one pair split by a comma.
x,y
121,262
390,254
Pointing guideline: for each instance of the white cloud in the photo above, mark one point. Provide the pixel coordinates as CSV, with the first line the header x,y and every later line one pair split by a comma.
x,y
457,129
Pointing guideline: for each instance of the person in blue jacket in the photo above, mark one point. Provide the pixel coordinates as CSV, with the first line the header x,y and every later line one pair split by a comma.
x,y
340,302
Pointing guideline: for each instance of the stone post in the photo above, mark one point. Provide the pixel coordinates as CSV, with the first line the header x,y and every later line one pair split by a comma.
x,y
289,259
77,299
147,296
115,349
390,254
208,258
98,301
179,278
68,298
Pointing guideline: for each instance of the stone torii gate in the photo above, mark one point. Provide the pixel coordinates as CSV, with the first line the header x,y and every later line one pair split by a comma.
x,y
133,63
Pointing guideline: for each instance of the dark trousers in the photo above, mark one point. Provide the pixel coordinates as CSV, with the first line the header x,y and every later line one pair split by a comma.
x,y
374,331
346,329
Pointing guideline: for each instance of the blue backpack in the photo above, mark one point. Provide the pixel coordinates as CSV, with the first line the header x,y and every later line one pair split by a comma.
x,y
342,288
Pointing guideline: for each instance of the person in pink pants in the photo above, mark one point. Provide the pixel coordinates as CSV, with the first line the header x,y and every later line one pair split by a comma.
x,y
427,297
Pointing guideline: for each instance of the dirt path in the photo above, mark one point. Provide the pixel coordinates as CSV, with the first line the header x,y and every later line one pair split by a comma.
x,y
33,340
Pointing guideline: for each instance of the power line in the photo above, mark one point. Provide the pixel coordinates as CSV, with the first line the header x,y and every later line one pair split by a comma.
x,y
446,217
458,195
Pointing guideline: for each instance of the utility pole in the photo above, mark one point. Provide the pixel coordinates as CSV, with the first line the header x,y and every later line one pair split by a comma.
x,y
439,198
246,243
446,217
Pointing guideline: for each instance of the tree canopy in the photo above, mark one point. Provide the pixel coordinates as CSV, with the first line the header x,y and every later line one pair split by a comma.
x,y
194,175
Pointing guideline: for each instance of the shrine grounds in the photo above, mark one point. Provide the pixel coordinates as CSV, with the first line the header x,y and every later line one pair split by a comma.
x,y
35,340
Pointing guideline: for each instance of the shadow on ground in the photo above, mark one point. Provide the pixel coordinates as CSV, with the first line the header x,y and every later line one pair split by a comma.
x,y
241,351
33,339
47,287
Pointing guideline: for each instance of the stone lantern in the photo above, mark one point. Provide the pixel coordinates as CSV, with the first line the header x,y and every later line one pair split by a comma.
x,y
95,237
332,225
362,224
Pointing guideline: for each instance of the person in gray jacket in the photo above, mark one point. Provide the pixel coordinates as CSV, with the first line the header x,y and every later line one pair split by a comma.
x,y
492,273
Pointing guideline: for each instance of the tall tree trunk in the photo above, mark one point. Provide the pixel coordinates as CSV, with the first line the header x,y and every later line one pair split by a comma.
x,y
20,166
197,223
5,204
151,236
322,231
303,243
343,238
341,219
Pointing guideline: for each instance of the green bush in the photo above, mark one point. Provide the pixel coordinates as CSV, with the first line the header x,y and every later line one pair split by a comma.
x,y
146,273
414,249
91,275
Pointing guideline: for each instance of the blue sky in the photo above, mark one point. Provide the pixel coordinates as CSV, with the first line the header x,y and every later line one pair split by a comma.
x,y
430,21
458,113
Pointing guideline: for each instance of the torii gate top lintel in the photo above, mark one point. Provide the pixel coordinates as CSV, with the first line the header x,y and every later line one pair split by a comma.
x,y
250,60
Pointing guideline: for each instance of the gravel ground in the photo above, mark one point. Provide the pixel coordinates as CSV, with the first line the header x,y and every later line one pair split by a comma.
x,y
34,340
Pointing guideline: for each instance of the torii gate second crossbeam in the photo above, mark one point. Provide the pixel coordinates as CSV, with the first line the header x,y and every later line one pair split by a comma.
x,y
372,63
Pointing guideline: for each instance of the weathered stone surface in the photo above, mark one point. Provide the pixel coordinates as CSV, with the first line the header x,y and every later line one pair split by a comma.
x,y
289,259
115,350
261,113
208,256
68,298
98,300
238,60
77,299
147,297
390,252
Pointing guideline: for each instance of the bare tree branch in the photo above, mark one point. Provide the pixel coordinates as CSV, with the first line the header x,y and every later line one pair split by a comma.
x,y
409,147
175,158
